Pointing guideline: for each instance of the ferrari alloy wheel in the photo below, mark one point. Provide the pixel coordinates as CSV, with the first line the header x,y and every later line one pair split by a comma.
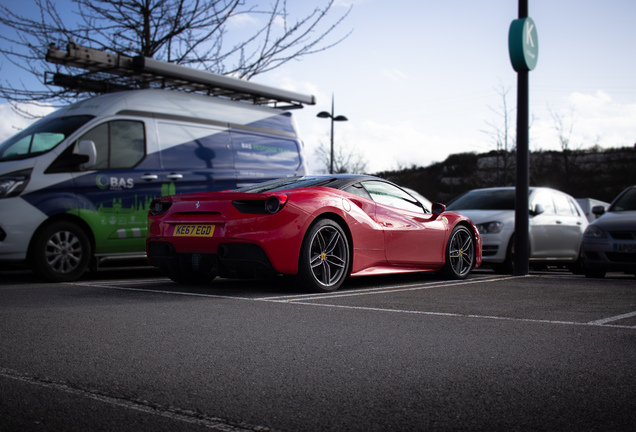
x,y
460,253
60,252
324,257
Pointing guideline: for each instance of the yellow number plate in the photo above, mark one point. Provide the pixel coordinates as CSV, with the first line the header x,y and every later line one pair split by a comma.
x,y
193,231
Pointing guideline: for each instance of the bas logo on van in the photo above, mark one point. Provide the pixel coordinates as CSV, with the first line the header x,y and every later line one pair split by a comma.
x,y
114,183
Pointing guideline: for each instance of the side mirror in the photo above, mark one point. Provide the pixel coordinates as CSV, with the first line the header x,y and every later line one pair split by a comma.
x,y
538,209
87,148
437,209
598,210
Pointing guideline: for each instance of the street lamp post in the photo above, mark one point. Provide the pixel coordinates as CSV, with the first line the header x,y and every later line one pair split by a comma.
x,y
334,118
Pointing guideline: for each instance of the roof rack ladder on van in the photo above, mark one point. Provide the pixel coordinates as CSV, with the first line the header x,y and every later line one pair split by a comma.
x,y
143,72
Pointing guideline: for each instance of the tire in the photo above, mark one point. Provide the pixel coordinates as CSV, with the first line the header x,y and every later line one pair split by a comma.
x,y
460,253
508,266
595,273
325,257
60,252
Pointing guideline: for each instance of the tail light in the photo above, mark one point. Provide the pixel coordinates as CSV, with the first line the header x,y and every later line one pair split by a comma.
x,y
158,207
274,203
271,205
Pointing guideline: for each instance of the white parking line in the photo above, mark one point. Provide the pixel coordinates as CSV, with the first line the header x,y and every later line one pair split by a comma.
x,y
612,319
190,417
306,300
383,290
473,316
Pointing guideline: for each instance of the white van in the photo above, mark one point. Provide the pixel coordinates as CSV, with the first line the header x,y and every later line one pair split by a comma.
x,y
75,186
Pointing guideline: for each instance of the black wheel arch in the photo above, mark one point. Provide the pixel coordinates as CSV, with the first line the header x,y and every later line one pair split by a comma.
x,y
76,220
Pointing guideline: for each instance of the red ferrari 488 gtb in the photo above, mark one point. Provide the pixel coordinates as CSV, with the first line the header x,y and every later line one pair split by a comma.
x,y
319,229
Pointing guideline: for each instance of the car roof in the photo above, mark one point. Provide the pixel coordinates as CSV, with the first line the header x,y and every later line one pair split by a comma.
x,y
334,181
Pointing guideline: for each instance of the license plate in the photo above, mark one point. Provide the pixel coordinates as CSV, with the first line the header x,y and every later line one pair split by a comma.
x,y
626,247
193,231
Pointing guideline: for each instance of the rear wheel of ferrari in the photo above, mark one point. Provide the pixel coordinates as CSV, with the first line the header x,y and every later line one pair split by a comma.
x,y
460,253
324,257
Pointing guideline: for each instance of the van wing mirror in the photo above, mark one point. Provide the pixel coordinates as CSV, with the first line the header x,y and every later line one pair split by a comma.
x,y
87,148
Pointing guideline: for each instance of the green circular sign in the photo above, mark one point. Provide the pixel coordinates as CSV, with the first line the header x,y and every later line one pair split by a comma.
x,y
523,44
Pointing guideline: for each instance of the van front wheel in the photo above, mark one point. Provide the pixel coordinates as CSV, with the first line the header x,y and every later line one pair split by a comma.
x,y
60,252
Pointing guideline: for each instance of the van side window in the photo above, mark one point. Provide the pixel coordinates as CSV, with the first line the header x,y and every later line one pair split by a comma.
x,y
252,151
120,144
194,147
127,143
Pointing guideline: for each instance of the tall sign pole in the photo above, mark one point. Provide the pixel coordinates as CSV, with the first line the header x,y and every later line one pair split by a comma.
x,y
523,45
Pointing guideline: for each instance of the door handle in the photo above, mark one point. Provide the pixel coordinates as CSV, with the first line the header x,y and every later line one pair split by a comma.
x,y
387,224
174,176
149,177
559,222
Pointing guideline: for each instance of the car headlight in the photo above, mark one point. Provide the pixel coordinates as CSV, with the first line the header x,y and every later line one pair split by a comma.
x,y
490,227
13,184
592,231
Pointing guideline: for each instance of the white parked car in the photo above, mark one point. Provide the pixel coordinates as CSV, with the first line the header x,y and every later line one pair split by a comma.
x,y
556,225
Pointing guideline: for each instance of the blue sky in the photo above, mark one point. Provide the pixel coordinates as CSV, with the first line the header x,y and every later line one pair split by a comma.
x,y
423,79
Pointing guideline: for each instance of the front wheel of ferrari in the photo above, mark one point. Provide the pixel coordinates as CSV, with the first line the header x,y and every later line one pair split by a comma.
x,y
460,253
324,257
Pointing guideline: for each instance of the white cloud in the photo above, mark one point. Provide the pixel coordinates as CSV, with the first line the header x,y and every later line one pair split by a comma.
x,y
12,122
241,21
394,74
384,146
595,119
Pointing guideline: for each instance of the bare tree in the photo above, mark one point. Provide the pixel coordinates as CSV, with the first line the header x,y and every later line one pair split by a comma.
x,y
197,33
564,128
500,131
345,160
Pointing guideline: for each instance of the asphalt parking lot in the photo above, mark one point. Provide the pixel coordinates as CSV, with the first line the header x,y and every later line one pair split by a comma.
x,y
126,349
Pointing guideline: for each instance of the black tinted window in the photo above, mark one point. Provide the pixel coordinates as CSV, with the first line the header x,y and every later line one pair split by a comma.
x,y
625,202
485,200
120,144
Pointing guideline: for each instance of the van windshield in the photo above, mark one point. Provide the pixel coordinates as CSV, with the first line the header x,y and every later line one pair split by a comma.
x,y
40,137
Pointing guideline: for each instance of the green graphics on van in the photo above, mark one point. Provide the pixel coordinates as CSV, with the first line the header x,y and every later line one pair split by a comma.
x,y
118,227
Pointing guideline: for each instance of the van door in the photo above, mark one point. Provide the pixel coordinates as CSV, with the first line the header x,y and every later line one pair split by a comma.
x,y
195,157
115,195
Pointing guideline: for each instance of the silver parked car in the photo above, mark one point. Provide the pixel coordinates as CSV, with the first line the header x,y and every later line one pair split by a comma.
x,y
609,243
556,225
